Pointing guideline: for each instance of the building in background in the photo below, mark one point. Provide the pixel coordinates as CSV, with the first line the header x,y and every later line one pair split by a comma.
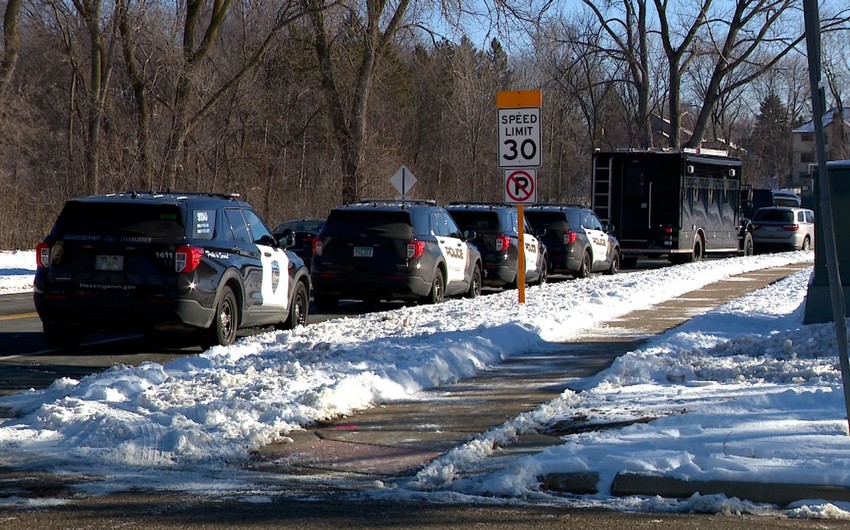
x,y
836,129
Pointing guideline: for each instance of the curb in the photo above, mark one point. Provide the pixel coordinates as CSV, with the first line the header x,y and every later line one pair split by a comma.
x,y
627,484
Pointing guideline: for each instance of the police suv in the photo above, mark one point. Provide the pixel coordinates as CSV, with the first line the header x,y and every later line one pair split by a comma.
x,y
578,244
496,228
177,262
392,250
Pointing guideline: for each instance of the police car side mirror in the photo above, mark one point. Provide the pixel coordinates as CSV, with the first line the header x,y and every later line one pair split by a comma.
x,y
539,232
469,235
267,240
287,239
609,229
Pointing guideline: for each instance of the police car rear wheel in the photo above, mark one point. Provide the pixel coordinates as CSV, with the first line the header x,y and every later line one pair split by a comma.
x,y
475,283
615,264
543,275
584,269
437,289
299,308
223,329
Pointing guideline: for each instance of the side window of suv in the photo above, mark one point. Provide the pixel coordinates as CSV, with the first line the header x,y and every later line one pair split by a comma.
x,y
595,223
257,227
442,224
203,224
238,227
810,216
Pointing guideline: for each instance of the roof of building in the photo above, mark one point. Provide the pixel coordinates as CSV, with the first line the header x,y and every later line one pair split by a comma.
x,y
828,117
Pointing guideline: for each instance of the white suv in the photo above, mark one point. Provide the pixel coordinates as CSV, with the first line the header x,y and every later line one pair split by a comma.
x,y
783,228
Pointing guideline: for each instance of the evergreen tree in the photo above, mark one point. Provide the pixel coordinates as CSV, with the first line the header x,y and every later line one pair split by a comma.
x,y
769,145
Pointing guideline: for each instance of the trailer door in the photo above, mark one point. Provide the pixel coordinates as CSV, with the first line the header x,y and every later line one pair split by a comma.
x,y
650,199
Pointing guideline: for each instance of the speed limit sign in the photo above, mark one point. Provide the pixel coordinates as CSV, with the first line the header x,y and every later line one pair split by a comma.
x,y
519,128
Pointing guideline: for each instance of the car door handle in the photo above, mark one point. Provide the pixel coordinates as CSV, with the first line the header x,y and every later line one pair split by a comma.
x,y
267,254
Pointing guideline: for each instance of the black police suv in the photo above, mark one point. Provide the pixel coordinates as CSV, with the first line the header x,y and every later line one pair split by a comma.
x,y
175,262
496,228
576,240
392,250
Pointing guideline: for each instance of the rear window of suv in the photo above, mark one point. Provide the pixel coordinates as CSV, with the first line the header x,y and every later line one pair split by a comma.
x,y
480,221
359,223
129,222
554,220
778,216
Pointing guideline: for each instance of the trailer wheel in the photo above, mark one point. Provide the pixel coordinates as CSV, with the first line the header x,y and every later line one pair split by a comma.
x,y
699,250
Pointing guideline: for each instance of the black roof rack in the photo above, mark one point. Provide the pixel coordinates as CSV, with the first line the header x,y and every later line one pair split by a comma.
x,y
402,202
154,193
478,203
559,205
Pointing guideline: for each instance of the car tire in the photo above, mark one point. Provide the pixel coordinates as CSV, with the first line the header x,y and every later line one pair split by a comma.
x,y
438,289
62,336
749,245
325,302
615,264
299,308
543,274
225,324
475,283
584,270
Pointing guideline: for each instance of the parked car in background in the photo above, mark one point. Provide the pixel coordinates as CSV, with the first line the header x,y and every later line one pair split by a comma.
x,y
393,250
576,241
496,228
783,228
304,232
161,261
754,198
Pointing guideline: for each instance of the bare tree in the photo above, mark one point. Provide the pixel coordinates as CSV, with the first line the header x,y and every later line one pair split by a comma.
x,y
628,29
380,25
752,37
678,57
11,45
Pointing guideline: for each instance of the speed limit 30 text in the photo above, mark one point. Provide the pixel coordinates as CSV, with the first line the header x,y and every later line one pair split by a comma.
x,y
518,124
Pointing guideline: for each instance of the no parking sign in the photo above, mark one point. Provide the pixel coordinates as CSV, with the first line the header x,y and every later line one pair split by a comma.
x,y
521,186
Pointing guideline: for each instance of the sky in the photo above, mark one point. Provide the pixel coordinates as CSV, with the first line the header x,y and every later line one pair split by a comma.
x,y
744,392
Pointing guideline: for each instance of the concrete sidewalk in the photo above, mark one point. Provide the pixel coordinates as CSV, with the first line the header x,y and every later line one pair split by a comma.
x,y
396,440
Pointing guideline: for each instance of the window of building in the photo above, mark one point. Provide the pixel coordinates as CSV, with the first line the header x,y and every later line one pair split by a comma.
x,y
807,157
808,137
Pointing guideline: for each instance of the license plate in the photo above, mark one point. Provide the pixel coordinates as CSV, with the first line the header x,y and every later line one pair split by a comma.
x,y
363,252
109,263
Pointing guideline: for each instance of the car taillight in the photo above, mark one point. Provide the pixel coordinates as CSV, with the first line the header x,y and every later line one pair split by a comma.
x,y
569,238
415,249
317,247
187,258
503,242
791,228
42,255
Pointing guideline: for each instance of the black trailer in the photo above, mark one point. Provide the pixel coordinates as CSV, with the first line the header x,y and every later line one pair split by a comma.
x,y
681,204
